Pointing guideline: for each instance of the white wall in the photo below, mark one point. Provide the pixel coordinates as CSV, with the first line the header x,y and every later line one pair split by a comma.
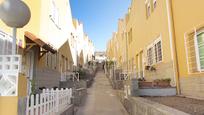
x,y
54,34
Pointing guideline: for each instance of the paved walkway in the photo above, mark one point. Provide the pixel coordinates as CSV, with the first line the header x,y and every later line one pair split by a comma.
x,y
101,99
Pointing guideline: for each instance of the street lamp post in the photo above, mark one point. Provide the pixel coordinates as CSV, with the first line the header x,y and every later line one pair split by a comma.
x,y
14,41
15,14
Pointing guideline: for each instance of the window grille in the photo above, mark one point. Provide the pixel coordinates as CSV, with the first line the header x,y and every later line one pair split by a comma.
x,y
5,43
150,54
154,52
194,45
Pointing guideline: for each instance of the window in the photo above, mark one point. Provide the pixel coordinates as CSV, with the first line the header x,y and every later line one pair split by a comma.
x,y
200,48
67,65
158,52
54,14
130,35
129,62
154,52
47,60
63,64
56,61
132,64
154,4
141,72
148,8
150,58
194,44
137,63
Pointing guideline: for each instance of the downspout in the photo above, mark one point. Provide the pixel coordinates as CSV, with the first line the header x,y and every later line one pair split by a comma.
x,y
127,62
173,45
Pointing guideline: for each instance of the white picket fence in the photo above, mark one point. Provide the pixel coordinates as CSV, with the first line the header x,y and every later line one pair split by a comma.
x,y
49,102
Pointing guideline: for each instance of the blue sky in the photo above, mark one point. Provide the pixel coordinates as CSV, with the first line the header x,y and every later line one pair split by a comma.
x,y
100,18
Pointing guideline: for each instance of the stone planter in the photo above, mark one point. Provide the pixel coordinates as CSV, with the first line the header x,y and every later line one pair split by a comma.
x,y
144,84
163,84
170,91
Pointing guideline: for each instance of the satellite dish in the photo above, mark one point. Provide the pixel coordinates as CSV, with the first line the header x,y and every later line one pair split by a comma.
x,y
14,13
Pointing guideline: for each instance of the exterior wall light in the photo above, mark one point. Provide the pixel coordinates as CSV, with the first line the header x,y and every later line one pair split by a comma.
x,y
15,14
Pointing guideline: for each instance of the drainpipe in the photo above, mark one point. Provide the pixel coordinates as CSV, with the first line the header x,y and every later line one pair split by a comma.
x,y
173,45
127,62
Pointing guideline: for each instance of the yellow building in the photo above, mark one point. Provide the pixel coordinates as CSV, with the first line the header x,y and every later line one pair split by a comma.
x,y
111,50
117,46
167,36
148,41
121,41
189,39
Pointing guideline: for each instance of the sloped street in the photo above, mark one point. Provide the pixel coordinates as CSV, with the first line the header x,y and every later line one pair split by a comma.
x,y
101,99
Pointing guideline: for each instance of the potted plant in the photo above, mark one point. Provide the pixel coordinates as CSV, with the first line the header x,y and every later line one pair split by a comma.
x,y
33,90
150,68
147,67
141,79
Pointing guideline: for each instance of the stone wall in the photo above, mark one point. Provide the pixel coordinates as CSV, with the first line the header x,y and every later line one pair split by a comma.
x,y
192,87
79,96
47,78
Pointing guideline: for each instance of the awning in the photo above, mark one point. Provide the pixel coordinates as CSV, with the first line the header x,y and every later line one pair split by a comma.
x,y
33,39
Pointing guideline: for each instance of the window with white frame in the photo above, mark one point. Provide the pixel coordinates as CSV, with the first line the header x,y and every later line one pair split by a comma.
x,y
194,44
150,58
158,51
130,36
200,49
154,52
154,4
148,8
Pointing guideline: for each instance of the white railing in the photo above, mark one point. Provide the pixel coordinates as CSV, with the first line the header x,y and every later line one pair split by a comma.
x,y
49,102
